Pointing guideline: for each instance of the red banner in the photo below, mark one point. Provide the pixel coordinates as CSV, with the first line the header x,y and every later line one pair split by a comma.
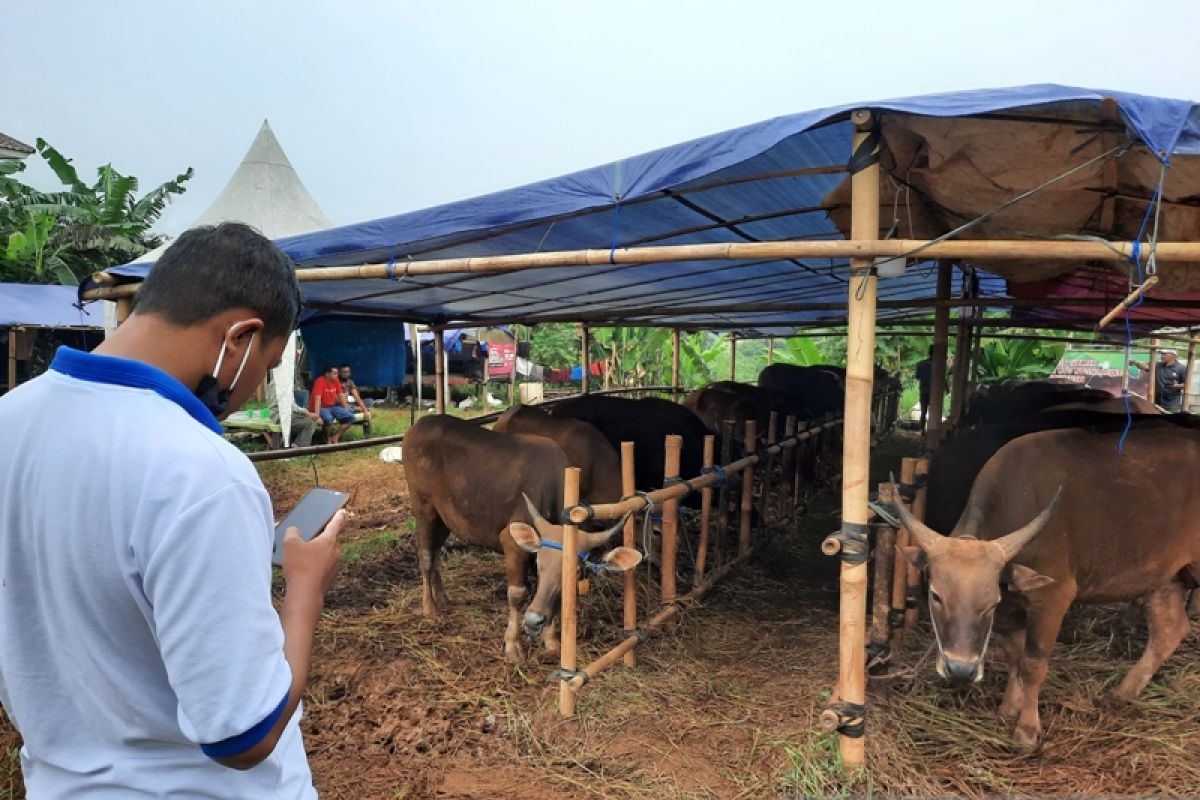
x,y
501,358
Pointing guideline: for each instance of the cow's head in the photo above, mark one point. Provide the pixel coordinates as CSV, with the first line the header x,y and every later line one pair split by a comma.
x,y
545,539
965,576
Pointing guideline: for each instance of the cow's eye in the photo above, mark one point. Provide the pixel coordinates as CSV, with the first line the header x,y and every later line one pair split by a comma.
x,y
935,597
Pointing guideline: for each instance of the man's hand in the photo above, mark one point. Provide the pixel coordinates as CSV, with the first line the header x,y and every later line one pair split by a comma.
x,y
314,416
312,566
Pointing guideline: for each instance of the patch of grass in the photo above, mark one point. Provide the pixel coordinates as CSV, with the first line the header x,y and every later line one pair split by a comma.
x,y
815,769
369,546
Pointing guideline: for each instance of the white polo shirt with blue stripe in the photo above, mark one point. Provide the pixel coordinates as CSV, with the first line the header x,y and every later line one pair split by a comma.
x,y
138,641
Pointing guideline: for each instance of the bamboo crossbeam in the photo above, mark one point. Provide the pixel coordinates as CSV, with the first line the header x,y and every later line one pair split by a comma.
x,y
974,250
1147,284
614,511
630,642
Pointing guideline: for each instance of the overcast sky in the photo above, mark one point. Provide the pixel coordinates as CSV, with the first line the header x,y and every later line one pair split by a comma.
x,y
385,107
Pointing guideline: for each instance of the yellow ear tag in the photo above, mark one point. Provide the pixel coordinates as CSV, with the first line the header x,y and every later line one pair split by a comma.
x,y
584,586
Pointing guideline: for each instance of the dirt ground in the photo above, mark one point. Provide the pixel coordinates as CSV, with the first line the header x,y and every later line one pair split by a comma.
x,y
724,706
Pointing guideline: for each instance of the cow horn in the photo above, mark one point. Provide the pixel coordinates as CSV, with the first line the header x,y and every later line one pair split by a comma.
x,y
927,538
590,541
1012,543
543,525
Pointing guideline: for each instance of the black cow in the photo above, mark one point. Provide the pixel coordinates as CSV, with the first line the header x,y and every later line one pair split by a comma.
x,y
816,390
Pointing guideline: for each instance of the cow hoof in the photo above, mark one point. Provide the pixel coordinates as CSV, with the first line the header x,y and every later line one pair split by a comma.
x,y
1026,737
1117,698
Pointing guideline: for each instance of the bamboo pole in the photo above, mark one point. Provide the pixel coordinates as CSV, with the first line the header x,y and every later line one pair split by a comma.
x,y
1148,284
723,495
1188,395
747,490
770,350
670,519
1153,388
768,472
974,250
675,363
628,487
585,373
439,358
787,500
941,331
124,308
512,377
958,384
885,564
706,498
908,472
732,357
856,446
920,472
570,577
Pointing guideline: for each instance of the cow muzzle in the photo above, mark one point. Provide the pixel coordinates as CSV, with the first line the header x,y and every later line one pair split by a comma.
x,y
533,623
960,670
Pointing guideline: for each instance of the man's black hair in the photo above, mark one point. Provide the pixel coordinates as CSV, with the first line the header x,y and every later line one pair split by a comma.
x,y
345,366
214,268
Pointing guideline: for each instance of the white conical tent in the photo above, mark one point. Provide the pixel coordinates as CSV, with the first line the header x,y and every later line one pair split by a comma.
x,y
266,193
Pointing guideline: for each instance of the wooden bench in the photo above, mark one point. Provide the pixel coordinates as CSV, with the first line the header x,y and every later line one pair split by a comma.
x,y
242,422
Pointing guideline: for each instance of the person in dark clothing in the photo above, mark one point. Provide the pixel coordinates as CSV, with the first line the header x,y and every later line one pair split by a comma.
x,y
924,384
1170,382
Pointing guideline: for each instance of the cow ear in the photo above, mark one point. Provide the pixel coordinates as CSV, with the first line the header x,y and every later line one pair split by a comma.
x,y
621,559
1023,579
913,555
525,536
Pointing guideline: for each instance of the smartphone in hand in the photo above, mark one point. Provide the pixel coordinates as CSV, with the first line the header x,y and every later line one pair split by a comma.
x,y
310,515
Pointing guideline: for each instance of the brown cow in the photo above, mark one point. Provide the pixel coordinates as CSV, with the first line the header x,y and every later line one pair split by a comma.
x,y
1126,528
584,444
486,487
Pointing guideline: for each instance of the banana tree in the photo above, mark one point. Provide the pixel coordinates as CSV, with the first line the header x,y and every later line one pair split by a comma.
x,y
94,226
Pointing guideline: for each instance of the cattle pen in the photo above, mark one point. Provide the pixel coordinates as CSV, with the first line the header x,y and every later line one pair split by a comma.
x,y
1051,204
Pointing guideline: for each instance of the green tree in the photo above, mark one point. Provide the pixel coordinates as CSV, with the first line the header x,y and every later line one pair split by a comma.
x,y
64,235
1006,360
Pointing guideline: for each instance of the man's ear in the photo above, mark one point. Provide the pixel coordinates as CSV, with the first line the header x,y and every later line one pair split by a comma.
x,y
914,555
1023,579
240,332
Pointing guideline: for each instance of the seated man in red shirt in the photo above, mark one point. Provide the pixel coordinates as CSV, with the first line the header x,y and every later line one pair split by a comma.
x,y
329,400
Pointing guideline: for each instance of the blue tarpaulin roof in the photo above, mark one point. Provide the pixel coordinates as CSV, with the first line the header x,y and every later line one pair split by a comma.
x,y
947,158
35,305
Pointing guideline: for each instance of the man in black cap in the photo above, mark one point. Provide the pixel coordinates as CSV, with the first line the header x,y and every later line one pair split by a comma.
x,y
1171,381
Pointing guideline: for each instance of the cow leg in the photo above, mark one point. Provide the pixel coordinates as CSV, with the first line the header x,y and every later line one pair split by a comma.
x,y
550,636
1014,647
516,561
1166,617
431,535
1045,618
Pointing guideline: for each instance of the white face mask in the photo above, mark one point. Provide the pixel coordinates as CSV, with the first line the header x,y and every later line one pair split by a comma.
x,y
210,394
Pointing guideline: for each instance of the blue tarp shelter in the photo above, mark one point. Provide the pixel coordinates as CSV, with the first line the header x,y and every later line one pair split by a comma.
x,y
946,158
38,306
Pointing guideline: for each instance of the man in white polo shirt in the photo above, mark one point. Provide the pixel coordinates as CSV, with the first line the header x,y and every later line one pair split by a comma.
x,y
140,654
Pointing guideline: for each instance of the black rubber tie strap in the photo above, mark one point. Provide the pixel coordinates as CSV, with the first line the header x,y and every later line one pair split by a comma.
x,y
866,154
853,539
